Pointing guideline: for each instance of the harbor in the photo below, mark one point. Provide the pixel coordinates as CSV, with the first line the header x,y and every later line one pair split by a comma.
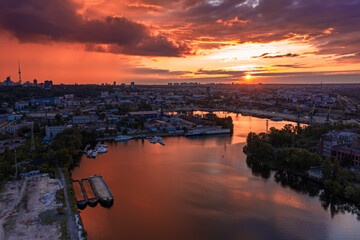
x,y
197,181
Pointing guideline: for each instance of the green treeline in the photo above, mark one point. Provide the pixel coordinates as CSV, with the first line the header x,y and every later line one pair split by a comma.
x,y
65,149
292,149
295,160
62,152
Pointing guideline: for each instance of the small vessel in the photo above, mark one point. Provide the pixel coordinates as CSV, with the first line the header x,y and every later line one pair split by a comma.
x,y
79,195
92,200
94,154
153,140
101,150
157,139
160,140
89,153
122,138
102,145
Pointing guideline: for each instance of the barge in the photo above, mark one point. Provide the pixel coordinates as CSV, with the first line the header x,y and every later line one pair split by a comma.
x,y
101,190
91,198
79,194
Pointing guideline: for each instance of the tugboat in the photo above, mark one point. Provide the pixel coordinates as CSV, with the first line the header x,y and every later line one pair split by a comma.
x,y
102,150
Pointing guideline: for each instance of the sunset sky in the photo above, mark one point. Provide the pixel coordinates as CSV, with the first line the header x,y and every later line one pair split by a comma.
x,y
161,41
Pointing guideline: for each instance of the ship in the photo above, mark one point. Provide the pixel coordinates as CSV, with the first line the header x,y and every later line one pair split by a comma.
x,y
101,190
207,131
79,195
157,139
122,138
91,198
101,150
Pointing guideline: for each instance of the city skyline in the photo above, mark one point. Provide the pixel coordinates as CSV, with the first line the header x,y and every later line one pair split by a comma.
x,y
156,42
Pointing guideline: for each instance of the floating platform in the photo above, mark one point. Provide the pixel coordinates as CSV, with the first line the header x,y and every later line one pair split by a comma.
x,y
79,195
91,198
101,190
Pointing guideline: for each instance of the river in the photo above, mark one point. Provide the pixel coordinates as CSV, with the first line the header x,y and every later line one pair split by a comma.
x,y
203,188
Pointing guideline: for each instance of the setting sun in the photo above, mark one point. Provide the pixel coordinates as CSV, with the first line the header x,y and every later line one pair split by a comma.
x,y
248,77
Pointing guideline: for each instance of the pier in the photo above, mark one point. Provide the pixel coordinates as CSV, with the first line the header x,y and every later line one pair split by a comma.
x,y
101,190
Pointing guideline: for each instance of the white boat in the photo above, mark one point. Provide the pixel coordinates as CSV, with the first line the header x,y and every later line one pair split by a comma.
x,y
89,153
207,131
94,154
122,138
102,145
101,150
160,140
153,140
157,139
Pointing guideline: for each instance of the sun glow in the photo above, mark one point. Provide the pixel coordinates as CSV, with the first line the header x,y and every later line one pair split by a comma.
x,y
248,77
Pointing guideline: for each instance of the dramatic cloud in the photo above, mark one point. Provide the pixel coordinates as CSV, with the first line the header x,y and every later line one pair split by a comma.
x,y
271,36
267,55
158,71
57,20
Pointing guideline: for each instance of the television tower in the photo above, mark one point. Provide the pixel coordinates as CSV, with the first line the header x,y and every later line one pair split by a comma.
x,y
19,73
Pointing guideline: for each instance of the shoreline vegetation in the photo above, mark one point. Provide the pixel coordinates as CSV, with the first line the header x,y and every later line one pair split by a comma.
x,y
292,150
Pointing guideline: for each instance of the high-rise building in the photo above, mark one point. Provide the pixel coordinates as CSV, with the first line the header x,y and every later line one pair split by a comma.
x,y
35,82
132,84
114,83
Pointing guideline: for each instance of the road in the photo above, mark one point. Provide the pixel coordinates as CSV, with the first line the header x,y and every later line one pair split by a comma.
x,y
70,221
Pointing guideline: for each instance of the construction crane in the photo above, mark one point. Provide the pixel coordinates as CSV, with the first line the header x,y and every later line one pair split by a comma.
x,y
328,115
312,113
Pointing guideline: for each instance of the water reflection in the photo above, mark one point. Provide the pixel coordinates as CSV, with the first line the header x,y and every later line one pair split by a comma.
x,y
304,186
202,188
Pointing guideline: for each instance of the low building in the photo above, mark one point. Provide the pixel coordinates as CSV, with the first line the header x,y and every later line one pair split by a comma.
x,y
342,151
52,131
84,119
144,114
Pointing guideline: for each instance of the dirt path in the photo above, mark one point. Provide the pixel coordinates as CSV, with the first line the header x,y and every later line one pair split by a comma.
x,y
70,223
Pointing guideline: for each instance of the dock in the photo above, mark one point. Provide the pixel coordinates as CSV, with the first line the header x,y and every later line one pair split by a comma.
x,y
79,195
92,200
101,190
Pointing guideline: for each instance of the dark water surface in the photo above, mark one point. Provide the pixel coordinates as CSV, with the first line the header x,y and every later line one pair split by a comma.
x,y
202,188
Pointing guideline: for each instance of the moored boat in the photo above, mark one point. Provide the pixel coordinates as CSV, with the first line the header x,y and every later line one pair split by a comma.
x,y
122,138
92,200
79,195
101,190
